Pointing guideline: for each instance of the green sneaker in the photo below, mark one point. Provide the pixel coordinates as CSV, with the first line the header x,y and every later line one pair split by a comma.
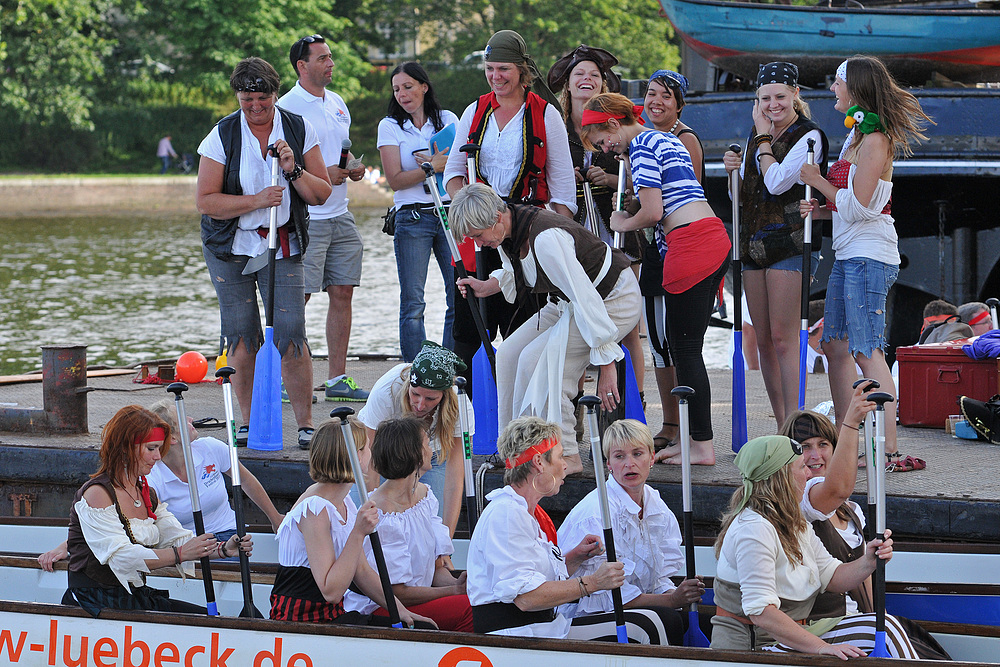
x,y
285,399
345,389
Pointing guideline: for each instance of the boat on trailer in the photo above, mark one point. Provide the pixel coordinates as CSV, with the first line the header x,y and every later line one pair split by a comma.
x,y
957,40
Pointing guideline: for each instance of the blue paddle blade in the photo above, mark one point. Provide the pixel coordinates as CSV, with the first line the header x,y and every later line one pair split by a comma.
x,y
739,393
265,404
880,650
803,355
484,405
693,636
633,401
622,634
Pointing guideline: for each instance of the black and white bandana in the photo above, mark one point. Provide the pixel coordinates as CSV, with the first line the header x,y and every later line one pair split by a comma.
x,y
778,72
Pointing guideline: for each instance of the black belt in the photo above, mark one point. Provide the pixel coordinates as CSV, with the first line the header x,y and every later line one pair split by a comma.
x,y
501,616
419,207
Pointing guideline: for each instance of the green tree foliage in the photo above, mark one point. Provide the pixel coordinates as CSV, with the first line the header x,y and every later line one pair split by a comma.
x,y
52,56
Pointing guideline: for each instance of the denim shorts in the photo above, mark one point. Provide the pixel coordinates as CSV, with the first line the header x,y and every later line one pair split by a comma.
x,y
333,256
238,302
855,303
791,264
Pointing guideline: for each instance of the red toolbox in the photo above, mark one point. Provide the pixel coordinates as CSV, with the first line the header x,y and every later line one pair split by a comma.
x,y
932,377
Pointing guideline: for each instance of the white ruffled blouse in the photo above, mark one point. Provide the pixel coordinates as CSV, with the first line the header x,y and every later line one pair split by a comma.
x,y
412,541
650,547
110,545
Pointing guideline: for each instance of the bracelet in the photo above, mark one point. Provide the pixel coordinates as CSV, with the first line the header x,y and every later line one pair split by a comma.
x,y
177,556
294,174
850,427
583,588
762,138
762,154
219,550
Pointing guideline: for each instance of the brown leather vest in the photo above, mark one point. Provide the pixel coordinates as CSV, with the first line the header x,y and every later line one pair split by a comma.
x,y
830,604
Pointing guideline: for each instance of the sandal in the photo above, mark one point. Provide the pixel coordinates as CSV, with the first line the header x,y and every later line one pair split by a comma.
x,y
897,463
662,442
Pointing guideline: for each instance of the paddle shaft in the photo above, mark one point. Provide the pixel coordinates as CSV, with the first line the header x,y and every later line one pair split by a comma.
x,y
470,482
474,301
597,456
878,591
359,480
739,399
192,482
249,610
806,279
623,174
590,220
272,247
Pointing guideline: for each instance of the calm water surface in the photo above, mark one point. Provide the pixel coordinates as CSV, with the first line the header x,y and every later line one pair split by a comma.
x,y
135,289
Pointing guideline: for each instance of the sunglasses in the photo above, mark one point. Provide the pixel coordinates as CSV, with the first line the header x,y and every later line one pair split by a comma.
x,y
252,85
302,45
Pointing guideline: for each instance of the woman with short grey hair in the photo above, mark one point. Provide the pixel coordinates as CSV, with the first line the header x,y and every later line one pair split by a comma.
x,y
589,301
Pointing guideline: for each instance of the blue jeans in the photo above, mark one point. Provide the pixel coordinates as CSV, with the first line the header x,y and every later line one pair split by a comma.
x,y
855,303
418,234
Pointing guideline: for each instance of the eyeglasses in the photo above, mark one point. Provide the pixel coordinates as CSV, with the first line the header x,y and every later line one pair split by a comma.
x,y
302,45
252,85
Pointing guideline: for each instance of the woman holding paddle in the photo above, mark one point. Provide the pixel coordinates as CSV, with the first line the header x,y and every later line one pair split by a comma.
x,y
404,142
647,538
690,238
518,580
884,120
771,235
235,197
119,530
321,543
663,104
772,566
425,390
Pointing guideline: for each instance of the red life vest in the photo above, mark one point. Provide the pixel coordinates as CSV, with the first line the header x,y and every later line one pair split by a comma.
x,y
531,176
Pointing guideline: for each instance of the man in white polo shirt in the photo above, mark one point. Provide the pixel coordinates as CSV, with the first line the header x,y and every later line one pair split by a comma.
x,y
333,259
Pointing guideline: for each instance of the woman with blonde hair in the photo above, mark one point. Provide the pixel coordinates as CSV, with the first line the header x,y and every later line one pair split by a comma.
x,y
647,540
771,231
424,389
518,581
690,238
884,120
771,567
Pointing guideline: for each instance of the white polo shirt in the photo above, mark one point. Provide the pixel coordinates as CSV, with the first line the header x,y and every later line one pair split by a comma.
x,y
332,121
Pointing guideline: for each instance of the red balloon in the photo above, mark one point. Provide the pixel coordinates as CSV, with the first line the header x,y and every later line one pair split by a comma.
x,y
191,367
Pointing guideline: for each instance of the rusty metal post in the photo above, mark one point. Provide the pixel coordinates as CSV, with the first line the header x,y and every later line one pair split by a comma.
x,y
64,387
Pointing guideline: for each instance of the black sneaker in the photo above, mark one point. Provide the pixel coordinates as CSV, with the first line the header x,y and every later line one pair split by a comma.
x,y
305,437
242,436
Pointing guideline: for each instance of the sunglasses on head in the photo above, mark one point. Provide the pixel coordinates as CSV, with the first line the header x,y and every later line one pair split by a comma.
x,y
303,44
796,447
251,85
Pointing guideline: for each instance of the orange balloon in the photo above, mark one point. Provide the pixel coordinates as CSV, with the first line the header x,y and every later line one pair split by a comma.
x,y
191,367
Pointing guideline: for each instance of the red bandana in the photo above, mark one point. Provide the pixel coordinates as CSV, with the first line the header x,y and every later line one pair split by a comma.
x,y
155,435
529,453
591,117
981,317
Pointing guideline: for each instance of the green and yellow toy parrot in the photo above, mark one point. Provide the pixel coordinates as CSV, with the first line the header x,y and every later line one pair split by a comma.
x,y
863,121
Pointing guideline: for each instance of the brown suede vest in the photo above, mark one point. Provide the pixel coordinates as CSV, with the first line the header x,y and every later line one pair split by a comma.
x,y
830,604
81,558
529,222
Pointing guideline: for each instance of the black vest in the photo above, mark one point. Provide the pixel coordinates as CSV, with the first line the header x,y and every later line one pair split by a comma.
x,y
217,235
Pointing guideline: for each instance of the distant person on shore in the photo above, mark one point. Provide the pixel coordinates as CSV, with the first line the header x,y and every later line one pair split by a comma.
x,y
404,142
235,205
977,315
771,229
165,151
942,323
332,263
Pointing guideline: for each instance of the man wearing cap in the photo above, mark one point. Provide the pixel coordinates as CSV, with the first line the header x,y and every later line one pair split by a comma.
x,y
332,261
425,389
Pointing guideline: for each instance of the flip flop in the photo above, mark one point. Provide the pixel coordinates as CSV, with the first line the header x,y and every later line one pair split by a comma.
x,y
896,463
661,442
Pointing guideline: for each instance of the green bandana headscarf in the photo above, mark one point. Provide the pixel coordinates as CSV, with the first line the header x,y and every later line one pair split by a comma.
x,y
507,46
762,457
435,367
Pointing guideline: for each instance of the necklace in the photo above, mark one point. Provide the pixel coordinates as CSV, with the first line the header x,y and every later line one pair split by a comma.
x,y
135,501
674,127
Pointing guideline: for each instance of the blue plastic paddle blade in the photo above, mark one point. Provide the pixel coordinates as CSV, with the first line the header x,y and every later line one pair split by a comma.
x,y
265,405
622,634
739,393
803,355
633,401
484,405
693,636
880,650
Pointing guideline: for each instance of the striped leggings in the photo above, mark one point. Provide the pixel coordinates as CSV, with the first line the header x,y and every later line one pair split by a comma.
x,y
859,630
652,625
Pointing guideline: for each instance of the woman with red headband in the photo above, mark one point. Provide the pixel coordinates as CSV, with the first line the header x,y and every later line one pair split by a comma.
x,y
674,205
517,579
119,531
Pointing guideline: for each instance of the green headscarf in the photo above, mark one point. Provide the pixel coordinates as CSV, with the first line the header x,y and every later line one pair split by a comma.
x,y
435,367
507,46
762,457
